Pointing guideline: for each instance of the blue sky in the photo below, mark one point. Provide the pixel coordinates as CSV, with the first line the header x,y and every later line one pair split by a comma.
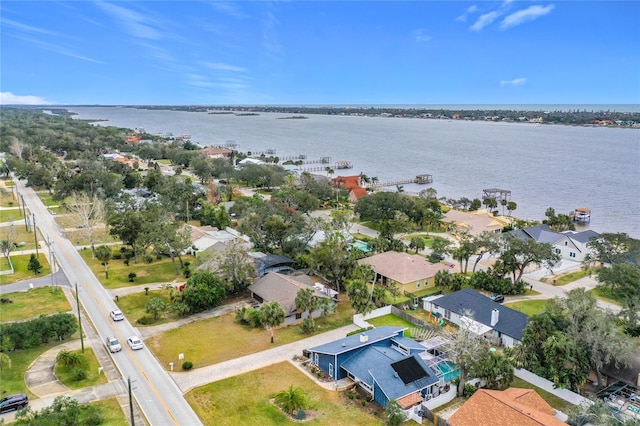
x,y
320,52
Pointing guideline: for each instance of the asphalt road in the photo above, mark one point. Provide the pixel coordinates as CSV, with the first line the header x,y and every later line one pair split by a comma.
x,y
157,394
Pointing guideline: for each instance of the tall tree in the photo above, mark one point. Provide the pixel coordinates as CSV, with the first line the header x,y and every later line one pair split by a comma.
x,y
360,297
624,281
466,348
272,316
235,267
103,254
89,212
307,301
518,254
332,259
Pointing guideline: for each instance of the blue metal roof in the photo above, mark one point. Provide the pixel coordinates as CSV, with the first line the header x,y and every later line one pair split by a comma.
x,y
393,386
408,343
352,342
510,321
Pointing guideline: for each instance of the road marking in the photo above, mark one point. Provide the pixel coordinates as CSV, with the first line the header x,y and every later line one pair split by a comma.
x,y
133,357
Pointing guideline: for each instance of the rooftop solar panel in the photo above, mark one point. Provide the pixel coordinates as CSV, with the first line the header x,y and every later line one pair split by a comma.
x,y
409,370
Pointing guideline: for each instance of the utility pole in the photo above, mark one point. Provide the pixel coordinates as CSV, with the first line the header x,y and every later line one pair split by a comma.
x,y
35,230
79,319
51,267
130,401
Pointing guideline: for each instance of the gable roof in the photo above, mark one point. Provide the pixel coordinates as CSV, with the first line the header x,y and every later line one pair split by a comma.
x,y
477,221
358,193
408,375
214,151
354,341
347,182
583,237
510,321
403,268
281,288
514,406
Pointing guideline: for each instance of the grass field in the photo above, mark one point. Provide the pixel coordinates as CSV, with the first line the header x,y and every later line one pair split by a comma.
x,y
20,264
158,271
528,307
7,197
12,379
89,363
392,320
244,400
11,214
134,305
33,303
47,199
208,348
25,240
605,294
112,413
101,236
573,276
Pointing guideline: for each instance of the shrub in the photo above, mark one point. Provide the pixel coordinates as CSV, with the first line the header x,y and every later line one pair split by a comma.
x,y
469,390
363,403
132,276
187,365
78,374
307,326
146,320
301,415
148,258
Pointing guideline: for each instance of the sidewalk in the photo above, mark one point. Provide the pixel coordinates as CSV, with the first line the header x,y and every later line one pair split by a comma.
x,y
212,373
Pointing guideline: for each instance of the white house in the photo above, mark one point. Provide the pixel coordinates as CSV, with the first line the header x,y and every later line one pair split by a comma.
x,y
570,245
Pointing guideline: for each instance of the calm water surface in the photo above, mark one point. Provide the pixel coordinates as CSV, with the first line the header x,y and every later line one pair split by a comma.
x,y
544,166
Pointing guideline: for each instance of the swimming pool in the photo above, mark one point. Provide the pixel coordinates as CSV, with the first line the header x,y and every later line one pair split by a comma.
x,y
447,371
361,245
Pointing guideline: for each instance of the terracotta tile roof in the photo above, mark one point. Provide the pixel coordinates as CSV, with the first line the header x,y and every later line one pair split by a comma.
x,y
215,151
521,407
409,400
347,182
403,268
358,193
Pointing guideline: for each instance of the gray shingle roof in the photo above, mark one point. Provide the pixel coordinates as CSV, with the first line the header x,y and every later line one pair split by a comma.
x,y
583,236
510,322
281,288
393,386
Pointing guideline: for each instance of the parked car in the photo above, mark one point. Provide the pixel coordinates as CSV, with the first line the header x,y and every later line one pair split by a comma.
x,y
116,315
498,298
135,343
13,402
113,344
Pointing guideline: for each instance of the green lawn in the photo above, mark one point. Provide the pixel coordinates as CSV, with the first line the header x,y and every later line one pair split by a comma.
x,y
554,401
146,273
100,236
89,363
33,303
112,413
12,379
528,307
134,305
573,276
47,199
9,215
391,320
238,339
244,400
25,240
7,197
20,264
604,293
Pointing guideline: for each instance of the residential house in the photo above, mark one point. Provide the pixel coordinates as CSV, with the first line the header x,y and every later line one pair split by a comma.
x,y
283,289
272,263
353,185
468,308
510,407
570,245
216,152
477,221
382,362
409,272
207,237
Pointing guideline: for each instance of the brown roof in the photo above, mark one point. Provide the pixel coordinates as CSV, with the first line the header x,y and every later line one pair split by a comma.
x,y
514,406
281,288
358,193
476,222
348,182
213,151
409,400
403,268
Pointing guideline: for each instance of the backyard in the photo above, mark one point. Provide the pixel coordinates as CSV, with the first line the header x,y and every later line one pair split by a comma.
x,y
222,338
245,400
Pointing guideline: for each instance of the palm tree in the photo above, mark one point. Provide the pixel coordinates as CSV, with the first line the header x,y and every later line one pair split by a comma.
x,y
103,254
503,202
511,206
291,399
374,180
307,301
272,316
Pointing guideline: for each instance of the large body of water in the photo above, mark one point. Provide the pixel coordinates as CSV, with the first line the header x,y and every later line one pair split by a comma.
x,y
563,167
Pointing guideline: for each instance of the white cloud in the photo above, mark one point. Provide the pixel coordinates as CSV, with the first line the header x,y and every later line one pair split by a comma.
x,y
8,98
420,36
28,28
471,9
485,20
515,82
228,8
224,67
525,15
136,24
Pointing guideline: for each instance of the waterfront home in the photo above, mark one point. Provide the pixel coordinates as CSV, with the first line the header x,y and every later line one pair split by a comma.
x,y
216,152
468,308
382,362
284,289
477,221
569,245
512,406
409,272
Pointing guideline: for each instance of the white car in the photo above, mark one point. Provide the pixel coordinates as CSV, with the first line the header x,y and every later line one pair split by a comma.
x,y
113,344
135,343
116,315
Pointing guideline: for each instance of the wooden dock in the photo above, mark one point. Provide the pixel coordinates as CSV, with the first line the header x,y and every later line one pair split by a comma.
x,y
419,179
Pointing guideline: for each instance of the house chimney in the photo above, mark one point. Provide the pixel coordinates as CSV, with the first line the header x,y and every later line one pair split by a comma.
x,y
363,338
495,314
